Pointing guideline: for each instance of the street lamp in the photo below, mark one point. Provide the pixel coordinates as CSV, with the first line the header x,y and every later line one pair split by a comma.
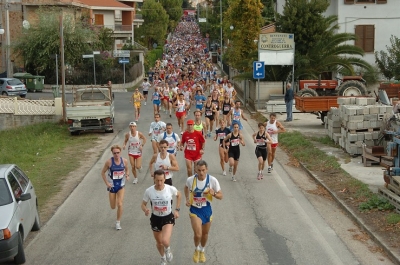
x,y
220,11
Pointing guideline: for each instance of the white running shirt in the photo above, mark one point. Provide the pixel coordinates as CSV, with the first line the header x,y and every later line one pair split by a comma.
x,y
161,200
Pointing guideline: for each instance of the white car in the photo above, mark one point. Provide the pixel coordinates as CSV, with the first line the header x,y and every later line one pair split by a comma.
x,y
18,212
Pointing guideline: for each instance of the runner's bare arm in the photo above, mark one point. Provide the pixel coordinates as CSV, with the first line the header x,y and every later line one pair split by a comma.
x,y
174,163
145,209
186,191
126,168
106,166
281,129
125,141
141,136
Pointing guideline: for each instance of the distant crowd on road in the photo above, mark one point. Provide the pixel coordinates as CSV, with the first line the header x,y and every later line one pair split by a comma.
x,y
185,80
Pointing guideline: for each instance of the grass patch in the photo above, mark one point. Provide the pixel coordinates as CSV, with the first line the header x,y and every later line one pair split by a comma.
x,y
376,202
304,151
326,140
259,117
393,218
45,152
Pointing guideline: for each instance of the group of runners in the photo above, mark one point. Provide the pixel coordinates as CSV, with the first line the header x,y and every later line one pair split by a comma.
x,y
184,80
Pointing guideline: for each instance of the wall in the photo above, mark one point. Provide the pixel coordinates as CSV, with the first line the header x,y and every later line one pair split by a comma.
x,y
9,120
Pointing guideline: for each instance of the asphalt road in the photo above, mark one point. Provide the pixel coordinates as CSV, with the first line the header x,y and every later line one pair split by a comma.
x,y
266,221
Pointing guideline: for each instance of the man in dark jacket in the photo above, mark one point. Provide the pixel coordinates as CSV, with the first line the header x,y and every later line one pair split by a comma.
x,y
289,96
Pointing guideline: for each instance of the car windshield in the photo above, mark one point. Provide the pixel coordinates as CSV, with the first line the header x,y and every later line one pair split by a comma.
x,y
14,82
5,195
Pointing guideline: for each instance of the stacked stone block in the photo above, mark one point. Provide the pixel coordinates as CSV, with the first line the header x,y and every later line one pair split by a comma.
x,y
356,121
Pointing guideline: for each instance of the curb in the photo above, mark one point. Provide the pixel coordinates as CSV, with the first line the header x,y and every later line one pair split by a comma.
x,y
377,239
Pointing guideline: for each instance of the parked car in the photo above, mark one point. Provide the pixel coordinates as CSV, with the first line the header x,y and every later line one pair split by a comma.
x,y
18,212
12,87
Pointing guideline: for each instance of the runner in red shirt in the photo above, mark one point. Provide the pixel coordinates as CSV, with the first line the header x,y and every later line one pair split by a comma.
x,y
194,148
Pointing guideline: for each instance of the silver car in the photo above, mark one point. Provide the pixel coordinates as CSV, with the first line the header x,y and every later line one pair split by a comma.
x,y
12,87
18,212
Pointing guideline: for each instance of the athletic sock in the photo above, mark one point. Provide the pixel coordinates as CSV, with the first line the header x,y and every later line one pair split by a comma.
x,y
198,247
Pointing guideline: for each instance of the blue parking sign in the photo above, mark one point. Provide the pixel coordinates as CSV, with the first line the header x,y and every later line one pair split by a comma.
x,y
258,70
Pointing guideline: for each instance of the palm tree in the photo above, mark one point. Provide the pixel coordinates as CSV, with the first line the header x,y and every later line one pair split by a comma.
x,y
330,53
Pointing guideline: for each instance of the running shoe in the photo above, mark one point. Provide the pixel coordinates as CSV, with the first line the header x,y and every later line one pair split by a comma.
x,y
145,103
196,255
168,254
170,115
224,173
118,225
181,133
135,181
272,166
163,261
136,120
259,176
262,176
233,178
202,258
209,134
230,169
269,169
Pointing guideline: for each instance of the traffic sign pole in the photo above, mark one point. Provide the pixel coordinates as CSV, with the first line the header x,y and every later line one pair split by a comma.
x,y
258,73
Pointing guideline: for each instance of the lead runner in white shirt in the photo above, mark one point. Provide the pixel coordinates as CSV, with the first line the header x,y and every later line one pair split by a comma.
x,y
156,128
162,218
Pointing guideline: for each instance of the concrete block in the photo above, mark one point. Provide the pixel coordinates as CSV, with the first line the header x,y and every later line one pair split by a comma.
x,y
375,135
361,101
335,118
367,124
352,137
336,137
368,136
369,142
360,136
371,101
345,117
343,101
360,125
356,118
351,125
380,117
334,111
336,124
373,109
351,110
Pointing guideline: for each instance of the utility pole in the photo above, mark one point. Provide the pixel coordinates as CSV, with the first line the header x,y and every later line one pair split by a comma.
x,y
8,41
220,11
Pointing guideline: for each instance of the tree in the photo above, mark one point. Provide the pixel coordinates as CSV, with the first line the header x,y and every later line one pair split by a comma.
x,y
154,28
389,62
318,47
245,17
174,11
42,40
305,19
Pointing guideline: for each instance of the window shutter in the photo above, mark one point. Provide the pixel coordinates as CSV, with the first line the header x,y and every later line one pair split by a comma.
x,y
381,1
348,2
359,36
369,38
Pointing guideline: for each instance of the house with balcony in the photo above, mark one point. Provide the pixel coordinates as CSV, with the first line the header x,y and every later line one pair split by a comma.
x,y
373,22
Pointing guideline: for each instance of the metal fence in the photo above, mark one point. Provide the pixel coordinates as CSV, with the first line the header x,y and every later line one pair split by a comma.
x,y
27,107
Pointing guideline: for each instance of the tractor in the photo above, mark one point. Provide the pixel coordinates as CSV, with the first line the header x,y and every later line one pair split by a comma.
x,y
347,86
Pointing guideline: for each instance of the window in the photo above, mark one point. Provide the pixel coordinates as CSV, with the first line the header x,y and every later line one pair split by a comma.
x,y
5,196
365,37
15,187
98,19
350,2
22,179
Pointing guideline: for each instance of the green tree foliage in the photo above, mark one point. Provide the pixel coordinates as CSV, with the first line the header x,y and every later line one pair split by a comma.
x,y
154,28
245,17
305,19
389,62
268,12
42,40
318,47
174,11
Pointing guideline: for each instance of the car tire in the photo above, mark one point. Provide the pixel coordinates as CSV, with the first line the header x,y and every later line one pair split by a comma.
x,y
36,224
23,96
4,93
20,257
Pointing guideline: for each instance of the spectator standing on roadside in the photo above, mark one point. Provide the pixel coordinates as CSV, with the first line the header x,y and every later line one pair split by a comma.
x,y
289,96
118,171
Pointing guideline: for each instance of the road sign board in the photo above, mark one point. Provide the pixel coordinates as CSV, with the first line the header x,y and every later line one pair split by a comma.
x,y
121,53
87,56
258,70
123,60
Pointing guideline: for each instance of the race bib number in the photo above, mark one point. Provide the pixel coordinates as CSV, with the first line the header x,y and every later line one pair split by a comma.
x,y
227,108
199,102
235,142
134,145
221,135
260,142
160,210
236,117
118,174
156,131
208,112
199,202
191,147
155,98
171,144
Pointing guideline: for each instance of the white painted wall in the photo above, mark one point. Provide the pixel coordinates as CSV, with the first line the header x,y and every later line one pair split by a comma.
x,y
385,17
